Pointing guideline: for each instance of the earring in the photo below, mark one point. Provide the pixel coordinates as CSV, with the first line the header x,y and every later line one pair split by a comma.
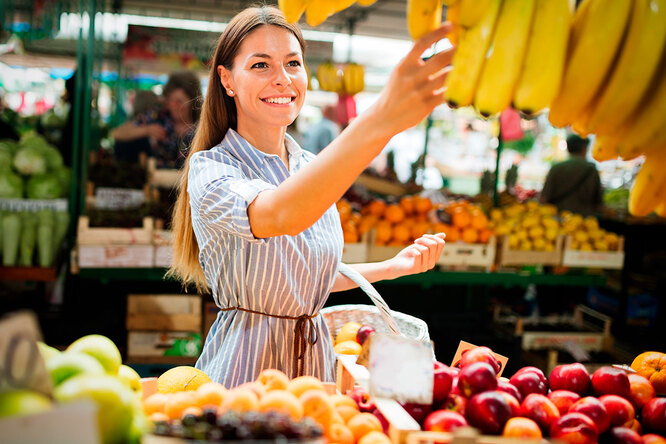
x,y
230,92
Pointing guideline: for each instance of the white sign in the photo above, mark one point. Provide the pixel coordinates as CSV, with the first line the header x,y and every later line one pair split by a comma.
x,y
118,198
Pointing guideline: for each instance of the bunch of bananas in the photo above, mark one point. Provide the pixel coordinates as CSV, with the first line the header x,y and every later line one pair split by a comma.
x,y
348,80
353,78
329,77
316,11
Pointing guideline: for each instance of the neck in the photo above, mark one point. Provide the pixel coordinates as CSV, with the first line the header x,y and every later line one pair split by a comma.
x,y
269,140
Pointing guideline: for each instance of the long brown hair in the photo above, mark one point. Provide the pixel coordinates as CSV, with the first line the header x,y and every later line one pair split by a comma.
x,y
218,114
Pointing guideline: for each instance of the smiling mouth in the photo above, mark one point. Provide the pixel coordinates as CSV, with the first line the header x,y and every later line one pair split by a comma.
x,y
279,100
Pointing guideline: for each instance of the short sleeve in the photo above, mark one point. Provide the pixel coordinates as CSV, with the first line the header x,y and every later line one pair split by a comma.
x,y
220,193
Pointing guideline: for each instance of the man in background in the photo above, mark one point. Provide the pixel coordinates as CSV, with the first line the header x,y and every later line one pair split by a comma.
x,y
319,135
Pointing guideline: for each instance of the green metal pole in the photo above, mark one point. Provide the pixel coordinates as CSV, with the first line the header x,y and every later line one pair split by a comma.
x,y
497,167
87,104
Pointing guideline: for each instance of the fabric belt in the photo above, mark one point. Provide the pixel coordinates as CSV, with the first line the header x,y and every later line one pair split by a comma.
x,y
305,333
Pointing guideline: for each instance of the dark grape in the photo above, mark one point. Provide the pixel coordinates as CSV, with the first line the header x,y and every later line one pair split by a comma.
x,y
210,416
162,428
189,420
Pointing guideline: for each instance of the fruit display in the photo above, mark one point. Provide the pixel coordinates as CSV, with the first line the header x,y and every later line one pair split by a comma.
x,y
316,11
346,79
466,223
351,337
586,234
272,407
527,227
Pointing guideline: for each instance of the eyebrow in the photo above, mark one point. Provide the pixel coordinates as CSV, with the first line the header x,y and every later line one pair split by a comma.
x,y
266,56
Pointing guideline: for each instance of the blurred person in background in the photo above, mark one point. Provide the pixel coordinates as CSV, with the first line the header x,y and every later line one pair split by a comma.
x,y
170,126
144,102
322,133
574,184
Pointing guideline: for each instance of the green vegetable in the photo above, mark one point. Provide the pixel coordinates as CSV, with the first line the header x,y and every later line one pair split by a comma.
x,y
28,235
45,232
30,160
53,157
44,186
64,176
11,233
61,227
11,185
9,145
5,159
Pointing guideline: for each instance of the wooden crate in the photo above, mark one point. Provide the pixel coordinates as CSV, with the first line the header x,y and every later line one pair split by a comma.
x,y
164,312
162,178
382,186
210,312
113,256
613,260
509,257
357,252
114,236
469,255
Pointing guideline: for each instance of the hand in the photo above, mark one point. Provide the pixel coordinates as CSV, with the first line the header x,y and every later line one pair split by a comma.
x,y
421,256
155,131
415,86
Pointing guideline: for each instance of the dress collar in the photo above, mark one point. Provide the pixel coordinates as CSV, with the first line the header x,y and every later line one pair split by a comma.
x,y
244,150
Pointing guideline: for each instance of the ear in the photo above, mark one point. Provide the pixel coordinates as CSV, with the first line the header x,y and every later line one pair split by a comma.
x,y
225,77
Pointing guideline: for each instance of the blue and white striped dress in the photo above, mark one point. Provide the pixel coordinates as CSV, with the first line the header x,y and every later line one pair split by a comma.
x,y
283,275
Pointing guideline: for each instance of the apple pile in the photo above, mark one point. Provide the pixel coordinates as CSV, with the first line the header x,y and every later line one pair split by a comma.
x,y
610,406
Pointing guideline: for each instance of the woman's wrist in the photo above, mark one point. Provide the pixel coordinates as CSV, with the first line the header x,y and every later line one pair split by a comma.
x,y
391,270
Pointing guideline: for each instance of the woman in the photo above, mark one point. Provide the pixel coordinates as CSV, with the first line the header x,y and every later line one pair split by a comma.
x,y
255,219
170,127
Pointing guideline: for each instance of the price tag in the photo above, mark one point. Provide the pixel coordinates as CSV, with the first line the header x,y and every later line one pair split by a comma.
x,y
118,198
401,369
464,347
21,363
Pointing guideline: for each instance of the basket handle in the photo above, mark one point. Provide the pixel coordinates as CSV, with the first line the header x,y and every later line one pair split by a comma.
x,y
375,297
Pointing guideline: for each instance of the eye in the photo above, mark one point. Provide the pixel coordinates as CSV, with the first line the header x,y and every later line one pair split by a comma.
x,y
260,65
294,63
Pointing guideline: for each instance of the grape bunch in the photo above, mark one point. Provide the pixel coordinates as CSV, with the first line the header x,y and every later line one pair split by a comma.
x,y
234,426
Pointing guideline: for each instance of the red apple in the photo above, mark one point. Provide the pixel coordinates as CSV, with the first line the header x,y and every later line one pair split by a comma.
x,y
620,411
529,382
532,369
654,415
572,377
442,382
488,411
504,385
362,398
363,333
540,409
636,426
456,403
610,381
563,399
454,384
444,421
574,428
593,409
521,428
620,435
652,438
513,403
640,390
476,378
417,411
382,420
480,354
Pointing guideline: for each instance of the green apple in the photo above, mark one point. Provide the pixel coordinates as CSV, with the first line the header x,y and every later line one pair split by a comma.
x,y
114,401
131,378
101,348
23,403
47,351
66,365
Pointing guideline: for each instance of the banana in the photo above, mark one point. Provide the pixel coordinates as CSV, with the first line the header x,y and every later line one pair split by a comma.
x,y
471,11
453,17
366,3
661,208
292,9
580,125
647,192
591,58
423,16
546,54
448,3
328,78
505,59
635,68
469,58
317,11
352,78
604,148
341,5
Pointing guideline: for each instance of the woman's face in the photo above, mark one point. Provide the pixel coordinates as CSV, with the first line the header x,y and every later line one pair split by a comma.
x,y
178,105
268,77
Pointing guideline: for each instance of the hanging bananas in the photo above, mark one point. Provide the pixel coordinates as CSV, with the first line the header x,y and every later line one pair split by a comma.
x,y
329,77
423,16
353,78
317,11
292,9
471,11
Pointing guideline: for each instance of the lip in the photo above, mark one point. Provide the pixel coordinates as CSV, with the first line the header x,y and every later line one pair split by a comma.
x,y
264,100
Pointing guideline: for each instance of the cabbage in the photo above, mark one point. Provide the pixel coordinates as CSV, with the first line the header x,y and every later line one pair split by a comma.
x,y
9,145
53,157
5,160
11,185
32,139
44,186
64,176
30,160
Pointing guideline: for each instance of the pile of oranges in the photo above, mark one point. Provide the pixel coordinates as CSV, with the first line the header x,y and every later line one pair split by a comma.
x,y
305,396
469,224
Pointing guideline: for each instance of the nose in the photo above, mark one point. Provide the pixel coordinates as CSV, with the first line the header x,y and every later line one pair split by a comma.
x,y
281,77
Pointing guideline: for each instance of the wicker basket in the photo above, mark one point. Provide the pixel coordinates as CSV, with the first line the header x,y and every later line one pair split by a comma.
x,y
338,315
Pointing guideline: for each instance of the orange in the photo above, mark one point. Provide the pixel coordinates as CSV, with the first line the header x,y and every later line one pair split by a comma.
x,y
452,235
302,384
374,438
339,400
461,219
256,387
479,221
192,410
470,235
350,237
158,417
401,233
343,204
366,223
273,379
210,394
181,378
317,406
355,217
281,401
394,213
485,235
347,332
347,348
376,207
346,412
422,204
364,423
240,399
652,365
155,403
407,204
344,213
419,229
340,434
383,232
440,227
177,403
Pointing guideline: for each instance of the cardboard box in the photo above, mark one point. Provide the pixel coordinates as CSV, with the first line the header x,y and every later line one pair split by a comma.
x,y
165,343
116,256
164,312
612,260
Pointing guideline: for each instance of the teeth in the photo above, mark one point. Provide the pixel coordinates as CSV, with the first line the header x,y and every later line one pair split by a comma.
x,y
280,100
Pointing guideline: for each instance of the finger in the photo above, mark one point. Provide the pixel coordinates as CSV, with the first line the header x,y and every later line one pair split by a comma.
x,y
440,61
427,41
440,246
432,249
424,255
